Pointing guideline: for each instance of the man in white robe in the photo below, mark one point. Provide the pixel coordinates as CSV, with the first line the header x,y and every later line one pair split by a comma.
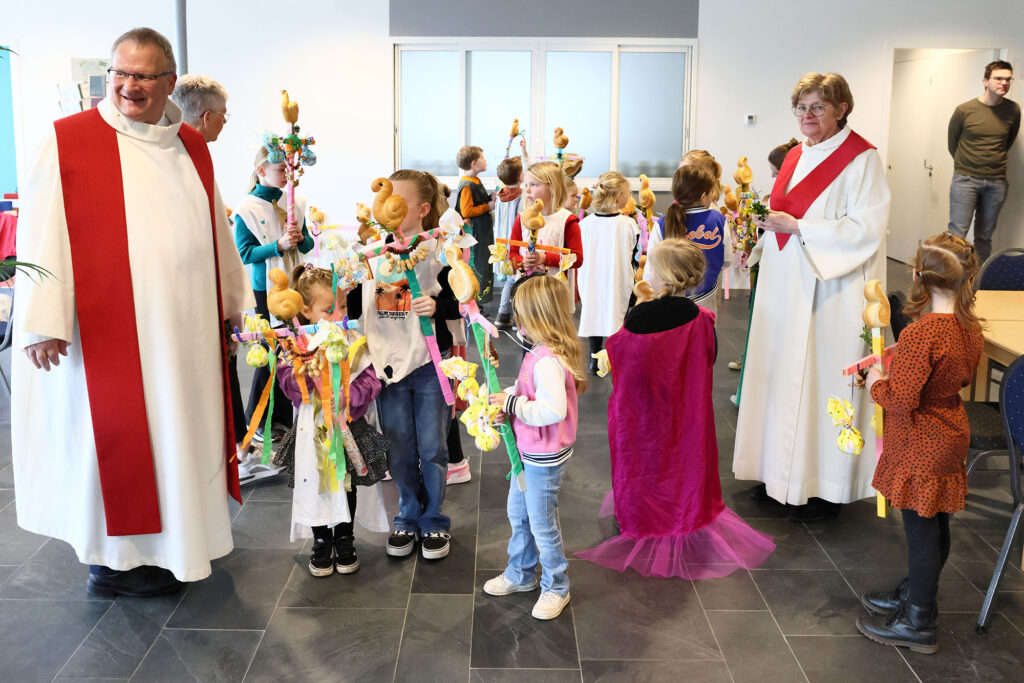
x,y
170,246
805,327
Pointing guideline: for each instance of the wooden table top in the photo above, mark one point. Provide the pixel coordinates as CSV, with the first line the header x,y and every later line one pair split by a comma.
x,y
1007,335
993,304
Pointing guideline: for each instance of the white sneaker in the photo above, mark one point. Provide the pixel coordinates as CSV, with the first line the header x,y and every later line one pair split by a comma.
x,y
500,585
459,473
254,469
549,605
736,364
732,400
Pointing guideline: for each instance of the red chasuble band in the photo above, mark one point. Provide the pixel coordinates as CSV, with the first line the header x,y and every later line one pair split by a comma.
x,y
90,172
799,199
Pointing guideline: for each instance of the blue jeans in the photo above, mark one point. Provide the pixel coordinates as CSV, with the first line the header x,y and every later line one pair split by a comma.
x,y
415,418
536,535
980,199
505,306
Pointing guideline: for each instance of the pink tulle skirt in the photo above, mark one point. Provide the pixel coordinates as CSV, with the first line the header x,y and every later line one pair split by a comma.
x,y
718,549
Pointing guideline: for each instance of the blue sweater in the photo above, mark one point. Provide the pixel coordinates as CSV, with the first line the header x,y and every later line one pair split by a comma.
x,y
705,229
255,254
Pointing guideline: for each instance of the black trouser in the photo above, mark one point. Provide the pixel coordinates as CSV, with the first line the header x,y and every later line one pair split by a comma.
x,y
237,412
927,550
282,406
455,455
480,254
344,528
596,344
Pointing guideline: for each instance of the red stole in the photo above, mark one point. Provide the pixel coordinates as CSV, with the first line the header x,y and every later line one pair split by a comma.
x,y
799,199
90,173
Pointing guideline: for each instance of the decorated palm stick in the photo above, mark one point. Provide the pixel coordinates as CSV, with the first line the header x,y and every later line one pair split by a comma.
x,y
479,422
532,220
876,316
296,152
585,199
513,134
390,210
561,141
647,208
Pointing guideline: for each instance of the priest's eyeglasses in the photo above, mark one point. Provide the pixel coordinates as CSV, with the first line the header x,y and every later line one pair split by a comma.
x,y
142,79
817,110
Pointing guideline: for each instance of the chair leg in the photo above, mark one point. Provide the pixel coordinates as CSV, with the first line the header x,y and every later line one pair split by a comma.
x,y
997,574
976,457
5,383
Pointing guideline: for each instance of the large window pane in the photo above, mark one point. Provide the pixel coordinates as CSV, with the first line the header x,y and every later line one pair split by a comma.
x,y
430,110
651,110
498,92
578,93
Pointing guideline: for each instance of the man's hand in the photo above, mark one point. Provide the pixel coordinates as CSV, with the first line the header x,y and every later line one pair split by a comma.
x,y
424,306
47,353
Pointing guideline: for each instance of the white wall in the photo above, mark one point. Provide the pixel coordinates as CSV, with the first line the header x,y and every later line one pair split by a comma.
x,y
339,68
751,68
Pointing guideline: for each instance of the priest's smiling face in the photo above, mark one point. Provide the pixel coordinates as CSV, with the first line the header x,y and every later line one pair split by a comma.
x,y
142,101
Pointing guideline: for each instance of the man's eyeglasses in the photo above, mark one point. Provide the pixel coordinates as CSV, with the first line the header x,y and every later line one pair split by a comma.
x,y
122,76
817,109
227,116
1002,79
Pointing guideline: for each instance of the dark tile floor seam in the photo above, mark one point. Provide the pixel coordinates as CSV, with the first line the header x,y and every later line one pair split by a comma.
x,y
707,620
80,644
405,617
775,621
149,649
277,605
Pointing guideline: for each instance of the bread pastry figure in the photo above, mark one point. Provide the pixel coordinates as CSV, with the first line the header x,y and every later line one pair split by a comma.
x,y
389,209
289,109
561,140
282,302
646,196
515,128
461,277
367,233
585,199
573,166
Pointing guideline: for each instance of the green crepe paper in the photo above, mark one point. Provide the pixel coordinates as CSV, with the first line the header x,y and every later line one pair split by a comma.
x,y
414,289
337,447
507,435
268,436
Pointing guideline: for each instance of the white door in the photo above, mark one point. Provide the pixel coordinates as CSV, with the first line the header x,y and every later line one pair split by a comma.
x,y
910,127
927,86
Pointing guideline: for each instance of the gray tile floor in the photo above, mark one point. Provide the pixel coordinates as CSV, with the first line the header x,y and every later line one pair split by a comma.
x,y
261,616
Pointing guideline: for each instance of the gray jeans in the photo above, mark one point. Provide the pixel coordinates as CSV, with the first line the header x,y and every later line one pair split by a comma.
x,y
979,199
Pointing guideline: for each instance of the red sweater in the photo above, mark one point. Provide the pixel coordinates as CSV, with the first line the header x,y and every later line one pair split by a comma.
x,y
572,242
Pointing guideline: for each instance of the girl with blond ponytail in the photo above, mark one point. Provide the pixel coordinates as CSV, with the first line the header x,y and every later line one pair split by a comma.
x,y
606,276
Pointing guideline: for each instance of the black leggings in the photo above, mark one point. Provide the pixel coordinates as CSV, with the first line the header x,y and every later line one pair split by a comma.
x,y
927,550
344,528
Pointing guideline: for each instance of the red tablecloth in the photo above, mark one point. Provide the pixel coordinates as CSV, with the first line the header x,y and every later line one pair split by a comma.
x,y
8,230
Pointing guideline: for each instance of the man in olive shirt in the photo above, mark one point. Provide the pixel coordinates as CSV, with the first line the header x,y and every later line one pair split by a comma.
x,y
981,131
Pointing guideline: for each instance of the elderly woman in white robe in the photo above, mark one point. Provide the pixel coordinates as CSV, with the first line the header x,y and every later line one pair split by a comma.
x,y
824,239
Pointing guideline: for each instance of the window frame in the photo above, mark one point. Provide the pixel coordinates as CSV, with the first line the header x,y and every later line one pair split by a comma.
x,y
538,49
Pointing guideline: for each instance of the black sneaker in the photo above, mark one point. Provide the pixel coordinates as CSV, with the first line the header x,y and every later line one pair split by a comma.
x,y
435,545
322,561
401,543
345,559
257,438
503,321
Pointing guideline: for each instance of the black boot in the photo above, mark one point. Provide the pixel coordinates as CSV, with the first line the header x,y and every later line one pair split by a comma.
x,y
322,561
885,602
909,626
815,510
345,559
141,582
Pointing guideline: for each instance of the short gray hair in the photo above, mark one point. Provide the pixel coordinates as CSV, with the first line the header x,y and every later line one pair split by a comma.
x,y
147,36
195,94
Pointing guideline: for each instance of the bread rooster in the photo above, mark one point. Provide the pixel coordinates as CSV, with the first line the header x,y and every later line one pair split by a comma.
x,y
289,109
282,302
389,209
561,140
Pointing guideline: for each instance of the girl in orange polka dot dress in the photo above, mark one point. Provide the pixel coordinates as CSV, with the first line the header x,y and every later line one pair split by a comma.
x,y
922,470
